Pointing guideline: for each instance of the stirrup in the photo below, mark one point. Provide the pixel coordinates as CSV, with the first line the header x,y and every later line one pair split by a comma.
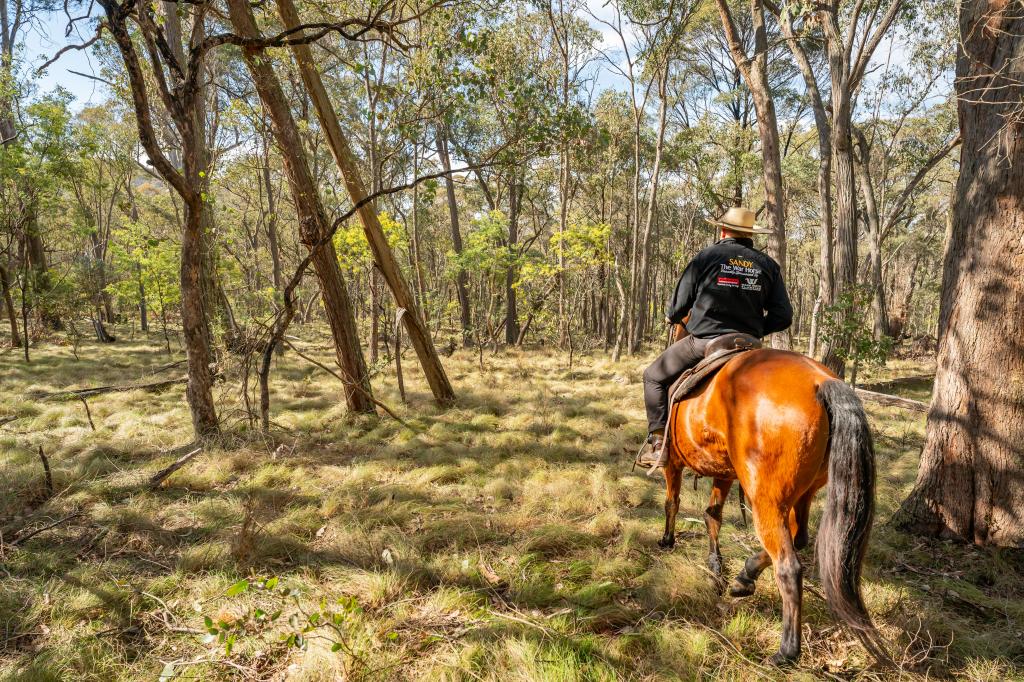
x,y
650,446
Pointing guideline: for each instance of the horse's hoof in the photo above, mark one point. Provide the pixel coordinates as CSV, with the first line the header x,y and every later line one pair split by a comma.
x,y
781,660
741,588
715,566
667,542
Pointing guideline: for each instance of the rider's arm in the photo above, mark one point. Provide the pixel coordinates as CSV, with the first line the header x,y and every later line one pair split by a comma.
x,y
778,310
685,294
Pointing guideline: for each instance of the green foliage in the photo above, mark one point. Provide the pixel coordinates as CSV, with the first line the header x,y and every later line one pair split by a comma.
x,y
144,257
280,619
485,252
354,251
847,325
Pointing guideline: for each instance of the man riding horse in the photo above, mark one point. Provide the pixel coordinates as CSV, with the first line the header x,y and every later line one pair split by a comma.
x,y
778,422
729,287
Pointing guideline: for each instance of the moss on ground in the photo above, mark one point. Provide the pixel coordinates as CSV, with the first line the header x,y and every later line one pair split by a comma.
x,y
502,539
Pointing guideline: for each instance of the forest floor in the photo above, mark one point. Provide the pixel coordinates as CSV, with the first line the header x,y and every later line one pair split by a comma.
x,y
502,539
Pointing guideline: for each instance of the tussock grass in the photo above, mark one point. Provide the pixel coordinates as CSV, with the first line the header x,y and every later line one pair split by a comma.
x,y
501,539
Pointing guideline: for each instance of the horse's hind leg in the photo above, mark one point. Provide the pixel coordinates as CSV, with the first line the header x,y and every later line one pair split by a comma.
x,y
713,521
773,527
799,516
673,478
746,581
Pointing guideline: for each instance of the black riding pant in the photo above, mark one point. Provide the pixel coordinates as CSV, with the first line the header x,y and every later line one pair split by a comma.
x,y
658,378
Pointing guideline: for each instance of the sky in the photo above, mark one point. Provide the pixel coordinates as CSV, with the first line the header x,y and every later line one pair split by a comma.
x,y
44,39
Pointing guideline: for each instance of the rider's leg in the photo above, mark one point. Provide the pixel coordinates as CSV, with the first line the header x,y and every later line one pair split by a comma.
x,y
658,378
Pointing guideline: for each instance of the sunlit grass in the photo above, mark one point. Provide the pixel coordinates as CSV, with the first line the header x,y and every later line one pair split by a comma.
x,y
501,539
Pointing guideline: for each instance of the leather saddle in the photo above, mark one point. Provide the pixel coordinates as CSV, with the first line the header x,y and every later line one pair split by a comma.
x,y
716,354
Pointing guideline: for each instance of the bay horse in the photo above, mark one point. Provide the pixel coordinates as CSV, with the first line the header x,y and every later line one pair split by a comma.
x,y
782,425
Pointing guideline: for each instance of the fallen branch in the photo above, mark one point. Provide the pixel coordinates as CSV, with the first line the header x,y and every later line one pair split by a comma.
x,y
7,419
26,538
337,376
894,400
99,390
158,477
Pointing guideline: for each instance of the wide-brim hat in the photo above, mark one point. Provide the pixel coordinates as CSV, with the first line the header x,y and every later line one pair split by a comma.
x,y
740,219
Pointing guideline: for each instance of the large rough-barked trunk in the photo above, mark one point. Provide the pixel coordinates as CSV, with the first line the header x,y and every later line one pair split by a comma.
x,y
971,482
515,197
313,224
419,333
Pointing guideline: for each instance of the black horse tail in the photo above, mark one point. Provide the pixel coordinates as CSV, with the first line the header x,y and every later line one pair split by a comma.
x,y
848,513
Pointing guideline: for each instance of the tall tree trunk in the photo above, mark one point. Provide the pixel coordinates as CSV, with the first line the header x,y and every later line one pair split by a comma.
x,y
196,332
640,311
755,73
461,279
823,128
313,224
143,309
971,482
515,194
879,309
419,334
195,328
42,287
272,238
12,316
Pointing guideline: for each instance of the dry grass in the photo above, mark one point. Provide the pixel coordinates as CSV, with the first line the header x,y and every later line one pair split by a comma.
x,y
503,539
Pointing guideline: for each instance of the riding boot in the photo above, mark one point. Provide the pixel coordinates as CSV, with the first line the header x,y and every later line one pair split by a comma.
x,y
652,454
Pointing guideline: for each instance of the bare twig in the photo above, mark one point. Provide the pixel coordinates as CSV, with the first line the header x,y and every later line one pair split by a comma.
x,y
27,537
88,414
46,471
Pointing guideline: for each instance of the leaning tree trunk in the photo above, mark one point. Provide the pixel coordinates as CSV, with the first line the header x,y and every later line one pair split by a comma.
x,y
419,334
313,224
971,482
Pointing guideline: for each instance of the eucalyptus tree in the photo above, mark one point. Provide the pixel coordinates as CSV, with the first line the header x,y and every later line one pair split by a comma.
x,y
510,120
851,33
105,158
970,484
753,65
313,223
180,89
347,164
647,41
572,41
